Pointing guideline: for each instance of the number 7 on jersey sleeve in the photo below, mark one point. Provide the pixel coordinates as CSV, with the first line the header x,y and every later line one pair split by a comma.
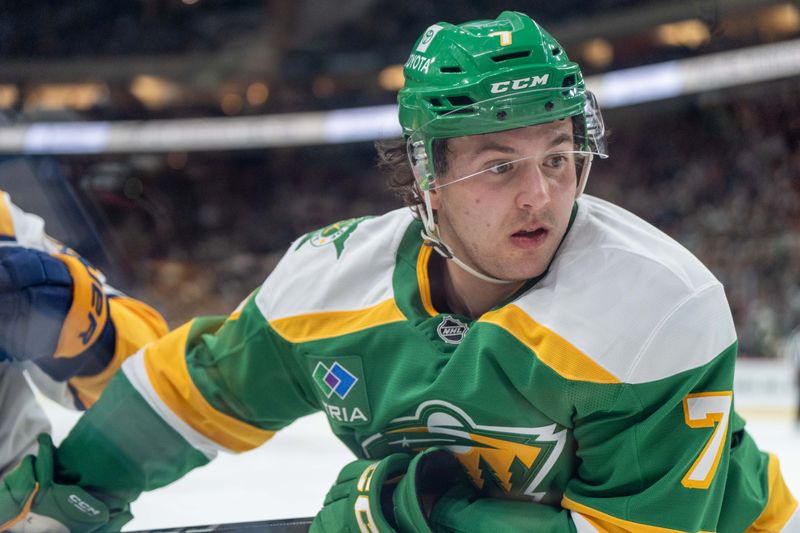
x,y
703,410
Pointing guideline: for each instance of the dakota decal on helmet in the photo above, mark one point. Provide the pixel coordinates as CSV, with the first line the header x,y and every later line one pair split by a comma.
x,y
336,234
417,62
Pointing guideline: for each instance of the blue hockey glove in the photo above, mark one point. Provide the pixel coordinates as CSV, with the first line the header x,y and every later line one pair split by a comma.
x,y
52,308
31,502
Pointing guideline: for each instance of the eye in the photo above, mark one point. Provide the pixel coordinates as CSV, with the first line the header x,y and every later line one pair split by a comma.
x,y
556,161
501,168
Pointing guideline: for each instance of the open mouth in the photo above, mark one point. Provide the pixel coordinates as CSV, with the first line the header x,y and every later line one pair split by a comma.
x,y
529,237
531,233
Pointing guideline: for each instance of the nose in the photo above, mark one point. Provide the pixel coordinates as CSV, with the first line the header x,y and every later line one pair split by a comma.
x,y
533,189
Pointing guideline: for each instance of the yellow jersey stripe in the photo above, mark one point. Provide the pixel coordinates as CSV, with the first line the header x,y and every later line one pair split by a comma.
x,y
423,280
165,362
136,324
606,523
781,504
552,349
327,324
6,222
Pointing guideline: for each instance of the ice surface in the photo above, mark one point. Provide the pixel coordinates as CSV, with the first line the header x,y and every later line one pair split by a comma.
x,y
289,476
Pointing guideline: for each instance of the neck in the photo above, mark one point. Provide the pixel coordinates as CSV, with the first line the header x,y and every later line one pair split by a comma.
x,y
470,296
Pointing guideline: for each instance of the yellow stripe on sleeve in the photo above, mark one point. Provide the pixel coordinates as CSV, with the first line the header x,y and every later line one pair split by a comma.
x,y
165,362
605,523
552,349
324,325
135,325
781,503
6,222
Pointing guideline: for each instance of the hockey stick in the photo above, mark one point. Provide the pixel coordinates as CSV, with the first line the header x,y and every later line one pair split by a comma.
x,y
291,525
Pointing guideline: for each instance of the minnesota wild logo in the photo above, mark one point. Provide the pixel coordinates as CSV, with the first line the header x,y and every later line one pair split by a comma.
x,y
335,234
501,461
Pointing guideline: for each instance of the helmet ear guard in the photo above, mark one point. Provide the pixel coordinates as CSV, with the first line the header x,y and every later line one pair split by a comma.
x,y
423,174
420,162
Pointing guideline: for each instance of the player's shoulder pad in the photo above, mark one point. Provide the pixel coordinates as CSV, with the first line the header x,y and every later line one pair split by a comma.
x,y
344,266
630,298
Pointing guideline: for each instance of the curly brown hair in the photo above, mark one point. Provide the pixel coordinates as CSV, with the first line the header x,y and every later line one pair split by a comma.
x,y
393,159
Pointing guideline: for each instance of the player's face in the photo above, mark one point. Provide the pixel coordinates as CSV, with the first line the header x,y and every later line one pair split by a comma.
x,y
509,219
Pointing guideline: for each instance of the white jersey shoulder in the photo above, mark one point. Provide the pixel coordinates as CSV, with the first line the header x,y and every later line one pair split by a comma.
x,y
630,297
346,266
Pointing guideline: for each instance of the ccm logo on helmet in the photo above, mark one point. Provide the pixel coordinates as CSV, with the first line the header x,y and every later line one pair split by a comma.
x,y
520,83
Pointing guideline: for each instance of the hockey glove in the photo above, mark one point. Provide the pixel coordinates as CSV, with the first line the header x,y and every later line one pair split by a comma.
x,y
450,503
52,309
31,502
432,475
392,495
361,499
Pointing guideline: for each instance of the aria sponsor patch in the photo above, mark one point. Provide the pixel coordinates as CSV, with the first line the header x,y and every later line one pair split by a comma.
x,y
451,330
334,380
342,392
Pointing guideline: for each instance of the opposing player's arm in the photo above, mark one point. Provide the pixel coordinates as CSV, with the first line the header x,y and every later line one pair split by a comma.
x,y
59,314
213,384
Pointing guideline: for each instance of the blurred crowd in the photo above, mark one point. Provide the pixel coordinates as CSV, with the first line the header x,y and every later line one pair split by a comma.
x,y
720,173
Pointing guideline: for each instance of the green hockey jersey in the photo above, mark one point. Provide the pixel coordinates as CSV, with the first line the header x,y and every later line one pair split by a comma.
x,y
600,392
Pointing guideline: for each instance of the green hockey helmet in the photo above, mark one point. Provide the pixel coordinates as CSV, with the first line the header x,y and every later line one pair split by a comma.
x,y
487,76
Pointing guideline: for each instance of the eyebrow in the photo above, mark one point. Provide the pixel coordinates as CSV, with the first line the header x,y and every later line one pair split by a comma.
x,y
560,139
495,146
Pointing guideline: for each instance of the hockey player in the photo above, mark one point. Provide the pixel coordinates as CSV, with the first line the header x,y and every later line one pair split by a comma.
x,y
527,357
60,324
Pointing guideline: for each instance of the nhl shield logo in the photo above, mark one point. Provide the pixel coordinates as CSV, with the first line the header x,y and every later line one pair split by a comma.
x,y
452,330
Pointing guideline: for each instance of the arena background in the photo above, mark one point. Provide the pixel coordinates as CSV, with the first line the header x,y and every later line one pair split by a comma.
x,y
183,144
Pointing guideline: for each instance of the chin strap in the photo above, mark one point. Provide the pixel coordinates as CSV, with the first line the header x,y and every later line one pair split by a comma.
x,y
584,175
430,235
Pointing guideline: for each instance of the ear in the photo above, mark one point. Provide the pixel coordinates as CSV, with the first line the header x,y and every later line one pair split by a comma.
x,y
436,202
